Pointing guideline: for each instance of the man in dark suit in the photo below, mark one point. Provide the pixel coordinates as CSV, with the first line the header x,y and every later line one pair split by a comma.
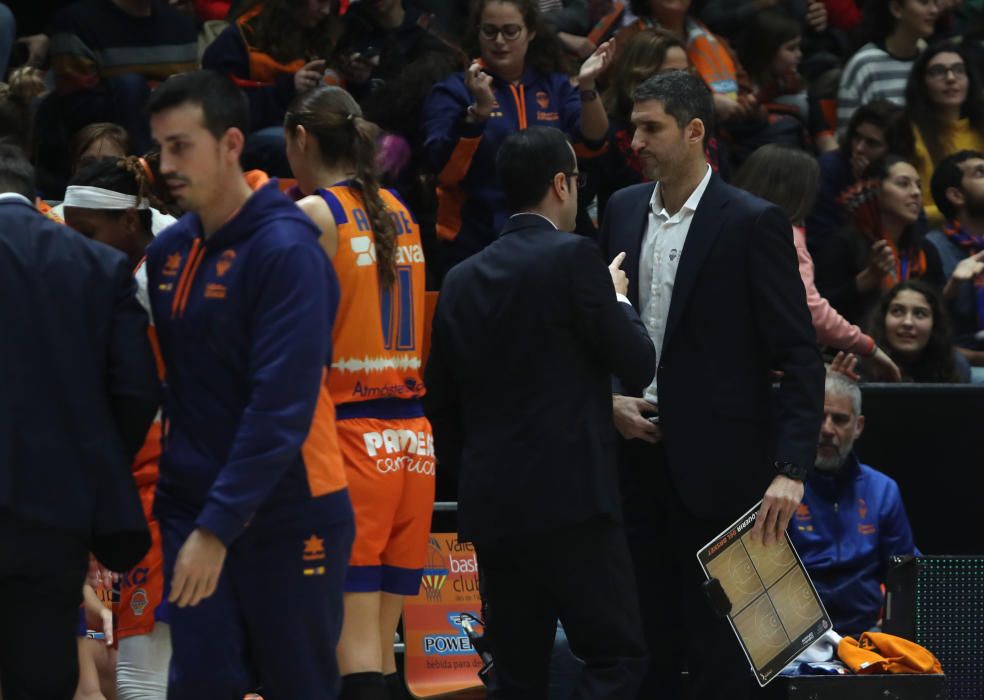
x,y
713,273
79,391
525,338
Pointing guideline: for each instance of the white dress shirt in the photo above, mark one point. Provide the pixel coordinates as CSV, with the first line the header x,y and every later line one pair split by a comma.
x,y
658,261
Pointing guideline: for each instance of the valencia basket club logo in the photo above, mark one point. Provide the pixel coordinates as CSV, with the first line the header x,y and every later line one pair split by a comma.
x,y
435,571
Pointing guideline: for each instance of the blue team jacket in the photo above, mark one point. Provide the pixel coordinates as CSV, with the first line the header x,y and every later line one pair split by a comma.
x,y
845,530
244,322
471,207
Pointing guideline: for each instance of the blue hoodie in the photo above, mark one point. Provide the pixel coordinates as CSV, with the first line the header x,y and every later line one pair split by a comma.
x,y
846,529
471,206
244,321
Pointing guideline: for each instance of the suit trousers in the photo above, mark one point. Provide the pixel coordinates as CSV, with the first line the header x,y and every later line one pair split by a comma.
x,y
41,575
581,575
682,630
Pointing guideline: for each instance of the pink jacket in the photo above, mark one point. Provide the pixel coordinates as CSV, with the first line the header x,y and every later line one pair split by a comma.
x,y
832,328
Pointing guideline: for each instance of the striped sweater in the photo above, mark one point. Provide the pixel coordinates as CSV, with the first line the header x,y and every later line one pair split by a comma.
x,y
871,74
92,40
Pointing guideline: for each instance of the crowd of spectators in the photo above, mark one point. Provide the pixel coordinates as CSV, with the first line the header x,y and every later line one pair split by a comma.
x,y
882,94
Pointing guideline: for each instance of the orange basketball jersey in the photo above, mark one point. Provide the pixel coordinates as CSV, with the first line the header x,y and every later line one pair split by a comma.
x,y
378,336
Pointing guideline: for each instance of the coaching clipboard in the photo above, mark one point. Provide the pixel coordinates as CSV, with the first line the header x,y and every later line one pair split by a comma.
x,y
775,610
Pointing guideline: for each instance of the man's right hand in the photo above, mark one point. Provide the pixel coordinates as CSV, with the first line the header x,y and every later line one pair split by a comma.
x,y
631,416
619,278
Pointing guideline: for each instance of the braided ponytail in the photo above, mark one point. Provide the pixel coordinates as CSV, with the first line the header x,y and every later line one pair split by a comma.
x,y
383,228
335,120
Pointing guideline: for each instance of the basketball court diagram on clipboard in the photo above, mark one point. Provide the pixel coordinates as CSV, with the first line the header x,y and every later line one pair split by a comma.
x,y
775,610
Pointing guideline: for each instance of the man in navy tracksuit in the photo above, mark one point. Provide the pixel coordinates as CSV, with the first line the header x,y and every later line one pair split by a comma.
x,y
851,520
255,516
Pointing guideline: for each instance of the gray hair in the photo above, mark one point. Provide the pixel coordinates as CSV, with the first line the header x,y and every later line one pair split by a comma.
x,y
839,385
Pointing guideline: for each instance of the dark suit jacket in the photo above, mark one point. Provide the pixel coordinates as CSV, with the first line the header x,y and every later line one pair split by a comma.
x,y
738,311
526,336
78,385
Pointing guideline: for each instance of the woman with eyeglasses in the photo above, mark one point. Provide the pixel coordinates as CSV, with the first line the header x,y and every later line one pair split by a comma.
x,y
944,114
516,81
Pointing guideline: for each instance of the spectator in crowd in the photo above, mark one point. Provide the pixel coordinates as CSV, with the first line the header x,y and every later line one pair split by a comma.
x,y
570,21
106,55
710,55
893,31
649,52
882,245
771,53
99,140
380,39
251,498
944,113
863,143
75,339
913,327
694,246
787,177
530,327
273,51
734,17
517,82
366,231
566,17
107,201
851,521
958,187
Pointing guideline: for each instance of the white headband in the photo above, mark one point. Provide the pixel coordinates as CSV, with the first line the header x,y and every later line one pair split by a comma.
x,y
85,197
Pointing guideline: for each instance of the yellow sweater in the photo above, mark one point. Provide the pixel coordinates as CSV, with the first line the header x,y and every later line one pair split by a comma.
x,y
961,137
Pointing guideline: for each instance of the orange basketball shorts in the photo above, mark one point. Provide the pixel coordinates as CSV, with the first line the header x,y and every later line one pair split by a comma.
x,y
390,468
142,587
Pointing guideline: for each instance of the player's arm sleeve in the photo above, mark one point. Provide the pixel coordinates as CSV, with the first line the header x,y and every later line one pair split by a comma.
x,y
291,322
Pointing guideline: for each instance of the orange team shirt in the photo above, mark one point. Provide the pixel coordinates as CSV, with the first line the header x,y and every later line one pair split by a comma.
x,y
378,335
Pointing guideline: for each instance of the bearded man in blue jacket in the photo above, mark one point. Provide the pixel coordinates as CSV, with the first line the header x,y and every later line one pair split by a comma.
x,y
851,521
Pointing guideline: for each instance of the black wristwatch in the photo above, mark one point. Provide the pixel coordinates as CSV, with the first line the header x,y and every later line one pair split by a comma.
x,y
793,471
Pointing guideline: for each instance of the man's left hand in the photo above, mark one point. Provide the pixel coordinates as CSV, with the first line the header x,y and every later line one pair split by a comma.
x,y
778,505
196,573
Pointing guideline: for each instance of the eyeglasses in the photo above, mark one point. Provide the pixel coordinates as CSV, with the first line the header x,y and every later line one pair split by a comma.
x,y
510,32
939,71
580,178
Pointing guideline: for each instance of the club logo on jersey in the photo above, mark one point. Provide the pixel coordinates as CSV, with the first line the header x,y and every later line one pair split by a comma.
x,y
172,265
138,601
862,508
225,262
803,512
365,251
314,550
542,99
